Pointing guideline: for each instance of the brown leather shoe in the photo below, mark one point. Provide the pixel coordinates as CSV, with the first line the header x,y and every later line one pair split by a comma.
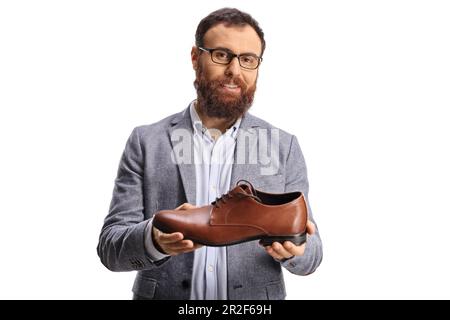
x,y
243,214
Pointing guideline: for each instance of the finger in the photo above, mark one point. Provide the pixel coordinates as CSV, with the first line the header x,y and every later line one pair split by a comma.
x,y
185,206
186,249
167,238
177,248
195,245
293,249
280,250
184,244
273,253
310,227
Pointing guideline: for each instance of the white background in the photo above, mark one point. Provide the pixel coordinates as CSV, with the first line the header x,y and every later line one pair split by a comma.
x,y
363,84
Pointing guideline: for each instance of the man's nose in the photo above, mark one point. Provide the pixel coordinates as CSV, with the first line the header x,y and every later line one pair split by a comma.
x,y
233,68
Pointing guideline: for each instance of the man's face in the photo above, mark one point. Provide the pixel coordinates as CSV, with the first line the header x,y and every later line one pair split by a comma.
x,y
226,91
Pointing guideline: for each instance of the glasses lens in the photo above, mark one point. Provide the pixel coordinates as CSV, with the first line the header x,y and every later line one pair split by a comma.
x,y
220,56
248,61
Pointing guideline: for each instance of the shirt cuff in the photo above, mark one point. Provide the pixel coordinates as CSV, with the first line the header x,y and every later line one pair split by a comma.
x,y
154,254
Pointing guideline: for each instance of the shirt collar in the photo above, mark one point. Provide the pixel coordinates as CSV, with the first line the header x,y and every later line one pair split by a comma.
x,y
200,129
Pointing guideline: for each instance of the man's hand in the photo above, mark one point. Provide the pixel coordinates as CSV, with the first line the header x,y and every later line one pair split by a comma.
x,y
288,249
173,243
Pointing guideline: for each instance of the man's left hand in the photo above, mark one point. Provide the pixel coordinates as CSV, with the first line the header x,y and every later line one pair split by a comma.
x,y
288,249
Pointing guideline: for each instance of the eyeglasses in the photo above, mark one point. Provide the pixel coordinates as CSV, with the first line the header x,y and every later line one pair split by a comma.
x,y
224,56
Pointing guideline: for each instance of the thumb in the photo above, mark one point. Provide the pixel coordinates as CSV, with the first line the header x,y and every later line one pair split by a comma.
x,y
310,227
186,206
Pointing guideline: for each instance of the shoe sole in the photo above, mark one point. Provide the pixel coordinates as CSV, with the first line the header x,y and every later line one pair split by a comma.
x,y
265,241
296,239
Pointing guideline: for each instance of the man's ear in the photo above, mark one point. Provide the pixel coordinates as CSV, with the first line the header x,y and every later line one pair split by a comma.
x,y
194,57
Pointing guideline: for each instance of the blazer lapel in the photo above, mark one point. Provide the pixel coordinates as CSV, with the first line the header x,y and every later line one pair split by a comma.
x,y
245,165
181,139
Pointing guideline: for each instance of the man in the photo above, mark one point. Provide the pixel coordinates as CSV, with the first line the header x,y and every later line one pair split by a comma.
x,y
218,134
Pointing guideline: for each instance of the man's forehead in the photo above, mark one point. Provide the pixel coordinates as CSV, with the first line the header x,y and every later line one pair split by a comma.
x,y
236,38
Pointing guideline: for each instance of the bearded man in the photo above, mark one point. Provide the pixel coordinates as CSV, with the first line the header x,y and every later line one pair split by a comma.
x,y
190,159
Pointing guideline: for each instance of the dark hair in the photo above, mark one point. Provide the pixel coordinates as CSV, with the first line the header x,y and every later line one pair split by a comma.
x,y
228,16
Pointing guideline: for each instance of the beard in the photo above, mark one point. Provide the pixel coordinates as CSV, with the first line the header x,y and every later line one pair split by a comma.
x,y
216,103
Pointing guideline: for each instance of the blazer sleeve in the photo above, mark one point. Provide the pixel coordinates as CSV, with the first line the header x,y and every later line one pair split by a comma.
x,y
121,244
297,180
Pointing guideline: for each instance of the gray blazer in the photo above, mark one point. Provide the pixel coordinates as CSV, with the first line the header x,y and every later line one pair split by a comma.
x,y
148,180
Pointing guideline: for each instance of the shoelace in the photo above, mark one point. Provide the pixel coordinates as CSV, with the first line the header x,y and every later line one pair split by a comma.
x,y
241,195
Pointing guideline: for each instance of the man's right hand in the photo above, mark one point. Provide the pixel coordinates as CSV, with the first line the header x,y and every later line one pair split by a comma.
x,y
173,243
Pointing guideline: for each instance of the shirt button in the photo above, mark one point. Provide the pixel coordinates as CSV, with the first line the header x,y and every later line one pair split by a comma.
x,y
210,268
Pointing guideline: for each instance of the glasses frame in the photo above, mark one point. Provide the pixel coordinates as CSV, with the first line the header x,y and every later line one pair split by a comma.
x,y
232,55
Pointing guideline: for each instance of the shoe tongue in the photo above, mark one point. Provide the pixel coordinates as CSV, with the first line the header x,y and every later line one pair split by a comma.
x,y
244,188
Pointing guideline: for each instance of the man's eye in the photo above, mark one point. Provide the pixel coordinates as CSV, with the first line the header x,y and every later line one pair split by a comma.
x,y
221,55
248,59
